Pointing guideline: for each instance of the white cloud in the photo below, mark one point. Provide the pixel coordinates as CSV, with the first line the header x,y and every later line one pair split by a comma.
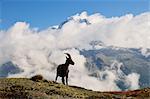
x,y
133,80
39,52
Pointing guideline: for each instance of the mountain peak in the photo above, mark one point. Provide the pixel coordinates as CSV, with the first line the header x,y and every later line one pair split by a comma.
x,y
78,16
82,18
97,44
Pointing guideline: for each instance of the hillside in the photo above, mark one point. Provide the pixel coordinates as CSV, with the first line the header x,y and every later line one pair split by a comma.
x,y
26,88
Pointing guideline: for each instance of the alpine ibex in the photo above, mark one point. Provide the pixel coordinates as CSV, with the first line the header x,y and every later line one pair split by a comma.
x,y
62,70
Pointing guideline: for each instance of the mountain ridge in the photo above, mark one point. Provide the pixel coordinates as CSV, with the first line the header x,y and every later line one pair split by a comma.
x,y
27,88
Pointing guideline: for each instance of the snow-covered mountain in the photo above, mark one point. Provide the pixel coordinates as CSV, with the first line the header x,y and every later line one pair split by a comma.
x,y
82,19
132,60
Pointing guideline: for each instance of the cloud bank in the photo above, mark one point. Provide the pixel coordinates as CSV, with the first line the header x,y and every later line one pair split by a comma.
x,y
39,52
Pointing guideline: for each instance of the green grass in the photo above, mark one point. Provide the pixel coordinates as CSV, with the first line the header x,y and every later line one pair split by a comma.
x,y
26,88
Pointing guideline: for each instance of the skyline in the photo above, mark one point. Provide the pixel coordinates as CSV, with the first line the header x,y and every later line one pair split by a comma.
x,y
42,14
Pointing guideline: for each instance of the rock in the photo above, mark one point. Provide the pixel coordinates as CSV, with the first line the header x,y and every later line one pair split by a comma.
x,y
37,78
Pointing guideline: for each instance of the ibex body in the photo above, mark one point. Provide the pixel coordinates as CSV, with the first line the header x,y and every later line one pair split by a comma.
x,y
62,70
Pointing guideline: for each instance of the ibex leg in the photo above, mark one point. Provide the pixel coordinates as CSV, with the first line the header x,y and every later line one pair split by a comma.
x,y
56,78
63,80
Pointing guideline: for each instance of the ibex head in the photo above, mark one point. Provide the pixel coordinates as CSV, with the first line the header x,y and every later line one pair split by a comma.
x,y
69,60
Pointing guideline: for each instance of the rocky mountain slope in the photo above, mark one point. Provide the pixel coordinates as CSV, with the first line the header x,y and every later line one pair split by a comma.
x,y
131,60
43,89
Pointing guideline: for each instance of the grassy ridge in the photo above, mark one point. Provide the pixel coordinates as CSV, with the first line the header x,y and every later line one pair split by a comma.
x,y
43,89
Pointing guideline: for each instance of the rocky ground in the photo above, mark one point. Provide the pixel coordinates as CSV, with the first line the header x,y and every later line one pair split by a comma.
x,y
24,88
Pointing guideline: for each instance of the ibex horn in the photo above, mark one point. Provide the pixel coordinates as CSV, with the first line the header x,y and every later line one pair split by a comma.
x,y
68,55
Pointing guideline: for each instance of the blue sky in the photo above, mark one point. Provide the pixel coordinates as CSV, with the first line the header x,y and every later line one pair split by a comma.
x,y
45,13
